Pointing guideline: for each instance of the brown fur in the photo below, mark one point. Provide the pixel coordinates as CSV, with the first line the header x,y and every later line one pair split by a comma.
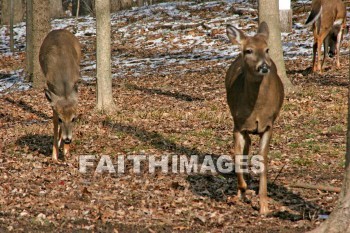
x,y
255,95
60,59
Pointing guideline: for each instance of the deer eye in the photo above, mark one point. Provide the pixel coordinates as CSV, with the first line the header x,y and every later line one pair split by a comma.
x,y
267,50
248,51
74,118
59,120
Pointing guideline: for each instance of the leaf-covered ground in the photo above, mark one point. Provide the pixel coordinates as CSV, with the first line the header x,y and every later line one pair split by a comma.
x,y
165,109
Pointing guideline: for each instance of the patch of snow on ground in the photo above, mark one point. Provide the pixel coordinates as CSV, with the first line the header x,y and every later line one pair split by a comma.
x,y
13,81
165,38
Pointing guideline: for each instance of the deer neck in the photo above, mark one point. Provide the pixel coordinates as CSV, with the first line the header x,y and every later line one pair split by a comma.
x,y
254,87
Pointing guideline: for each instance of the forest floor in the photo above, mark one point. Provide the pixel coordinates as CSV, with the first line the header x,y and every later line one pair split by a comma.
x,y
171,103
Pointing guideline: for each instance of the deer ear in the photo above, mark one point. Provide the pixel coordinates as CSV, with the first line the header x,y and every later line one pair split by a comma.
x,y
50,96
235,34
75,87
264,29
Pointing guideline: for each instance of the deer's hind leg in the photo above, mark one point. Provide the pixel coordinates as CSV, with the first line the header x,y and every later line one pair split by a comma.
x,y
314,49
314,52
339,38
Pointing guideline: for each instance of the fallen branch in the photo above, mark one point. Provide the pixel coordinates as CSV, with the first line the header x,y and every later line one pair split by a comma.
x,y
319,187
278,174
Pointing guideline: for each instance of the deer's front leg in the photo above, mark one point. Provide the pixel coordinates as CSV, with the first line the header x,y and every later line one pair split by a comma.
x,y
319,46
66,149
240,147
325,50
55,148
263,151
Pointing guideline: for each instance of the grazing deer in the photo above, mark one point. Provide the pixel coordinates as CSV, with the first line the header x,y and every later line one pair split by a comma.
x,y
59,60
329,22
255,95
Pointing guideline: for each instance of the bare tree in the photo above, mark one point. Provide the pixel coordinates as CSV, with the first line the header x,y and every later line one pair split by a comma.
x,y
82,7
56,8
18,8
38,25
140,3
286,15
105,101
117,5
269,12
29,39
339,220
12,16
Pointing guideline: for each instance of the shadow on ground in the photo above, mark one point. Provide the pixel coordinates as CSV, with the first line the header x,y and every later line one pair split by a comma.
x,y
36,143
327,78
28,108
174,94
219,187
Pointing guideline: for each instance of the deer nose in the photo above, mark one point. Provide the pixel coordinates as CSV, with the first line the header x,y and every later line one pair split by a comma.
x,y
67,141
263,68
331,54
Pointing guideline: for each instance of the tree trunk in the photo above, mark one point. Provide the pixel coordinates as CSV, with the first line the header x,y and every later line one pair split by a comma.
x,y
140,3
85,7
269,12
105,101
286,20
117,5
285,15
18,11
38,27
56,8
12,43
127,4
29,41
339,220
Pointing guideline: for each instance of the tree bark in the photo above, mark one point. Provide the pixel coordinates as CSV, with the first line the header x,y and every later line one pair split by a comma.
x,y
29,41
105,101
269,12
286,20
56,8
85,7
117,5
127,4
18,11
12,43
339,220
38,27
286,15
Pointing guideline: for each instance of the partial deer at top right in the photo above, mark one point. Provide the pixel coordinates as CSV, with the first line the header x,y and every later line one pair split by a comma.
x,y
328,20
